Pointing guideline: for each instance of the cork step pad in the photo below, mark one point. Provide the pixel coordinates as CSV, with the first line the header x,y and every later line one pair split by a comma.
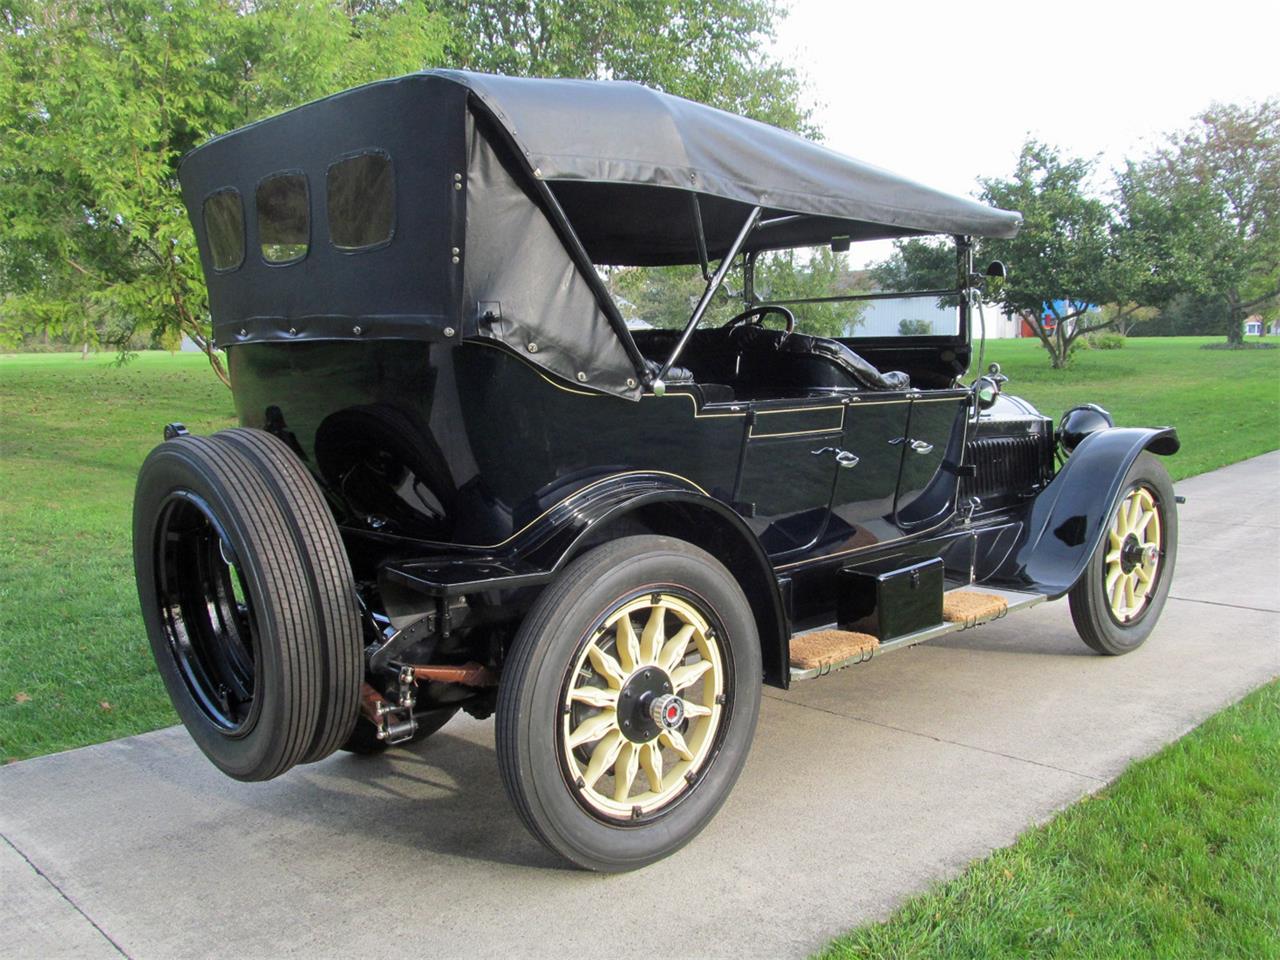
x,y
970,608
824,648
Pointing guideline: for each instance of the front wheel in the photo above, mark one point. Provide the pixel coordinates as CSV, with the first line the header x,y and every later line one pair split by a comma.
x,y
1118,599
628,702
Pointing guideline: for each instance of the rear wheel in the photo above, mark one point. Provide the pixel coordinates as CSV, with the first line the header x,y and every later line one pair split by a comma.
x,y
1119,597
628,702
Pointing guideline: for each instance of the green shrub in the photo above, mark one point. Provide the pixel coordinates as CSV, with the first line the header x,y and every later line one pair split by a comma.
x,y
1106,341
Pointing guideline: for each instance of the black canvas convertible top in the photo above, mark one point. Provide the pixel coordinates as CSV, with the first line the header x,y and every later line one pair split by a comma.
x,y
498,197
594,140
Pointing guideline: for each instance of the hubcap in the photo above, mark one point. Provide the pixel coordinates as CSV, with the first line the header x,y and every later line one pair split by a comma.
x,y
1133,556
642,706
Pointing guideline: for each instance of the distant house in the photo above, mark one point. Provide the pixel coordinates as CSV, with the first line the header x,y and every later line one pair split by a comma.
x,y
1255,326
922,316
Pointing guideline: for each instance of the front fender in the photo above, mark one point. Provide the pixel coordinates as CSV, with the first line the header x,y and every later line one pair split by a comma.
x,y
1069,517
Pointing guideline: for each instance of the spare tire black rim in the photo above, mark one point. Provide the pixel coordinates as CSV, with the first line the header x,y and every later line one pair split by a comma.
x,y
206,612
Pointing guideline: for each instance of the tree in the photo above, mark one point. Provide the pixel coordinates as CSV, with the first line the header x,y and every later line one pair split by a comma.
x,y
712,51
1065,260
1125,317
99,100
1203,212
928,264
664,297
819,272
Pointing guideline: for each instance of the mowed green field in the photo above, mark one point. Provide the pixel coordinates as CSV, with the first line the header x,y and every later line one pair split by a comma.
x,y
74,663
75,667
1225,403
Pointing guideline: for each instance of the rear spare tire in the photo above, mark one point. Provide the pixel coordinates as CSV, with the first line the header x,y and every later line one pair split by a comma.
x,y
236,593
329,575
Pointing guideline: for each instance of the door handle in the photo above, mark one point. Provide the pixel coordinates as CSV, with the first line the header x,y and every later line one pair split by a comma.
x,y
917,446
843,457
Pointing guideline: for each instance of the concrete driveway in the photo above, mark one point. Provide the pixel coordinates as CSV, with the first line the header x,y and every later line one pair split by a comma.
x,y
862,788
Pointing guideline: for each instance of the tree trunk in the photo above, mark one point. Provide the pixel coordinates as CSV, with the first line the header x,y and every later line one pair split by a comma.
x,y
1235,322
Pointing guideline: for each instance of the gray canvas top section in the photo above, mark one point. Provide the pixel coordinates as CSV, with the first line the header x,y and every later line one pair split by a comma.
x,y
624,133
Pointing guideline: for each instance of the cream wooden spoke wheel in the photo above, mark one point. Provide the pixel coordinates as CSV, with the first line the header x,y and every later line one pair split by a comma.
x,y
1133,554
628,701
1119,594
642,706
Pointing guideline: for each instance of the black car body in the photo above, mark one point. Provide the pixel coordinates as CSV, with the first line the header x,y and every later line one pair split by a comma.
x,y
405,278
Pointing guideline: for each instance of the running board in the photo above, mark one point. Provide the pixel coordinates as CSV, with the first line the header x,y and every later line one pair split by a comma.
x,y
862,652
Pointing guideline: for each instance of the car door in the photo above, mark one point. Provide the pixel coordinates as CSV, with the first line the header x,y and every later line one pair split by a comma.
x,y
788,468
932,449
862,506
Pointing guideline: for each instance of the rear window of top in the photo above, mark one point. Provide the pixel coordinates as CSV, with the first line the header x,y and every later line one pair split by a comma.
x,y
224,227
360,198
284,217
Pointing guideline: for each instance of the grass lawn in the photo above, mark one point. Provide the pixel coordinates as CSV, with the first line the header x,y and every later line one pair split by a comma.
x,y
1225,403
1178,858
75,667
75,664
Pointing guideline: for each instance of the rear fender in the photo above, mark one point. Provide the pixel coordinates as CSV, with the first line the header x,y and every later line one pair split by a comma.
x,y
1068,518
612,507
707,523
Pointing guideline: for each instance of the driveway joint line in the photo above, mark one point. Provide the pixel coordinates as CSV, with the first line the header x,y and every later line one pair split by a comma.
x,y
930,736
1219,603
74,906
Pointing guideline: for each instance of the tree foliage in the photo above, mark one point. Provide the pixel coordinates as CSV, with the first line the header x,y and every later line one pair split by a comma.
x,y
1203,212
712,51
1064,261
917,264
99,100
665,296
820,272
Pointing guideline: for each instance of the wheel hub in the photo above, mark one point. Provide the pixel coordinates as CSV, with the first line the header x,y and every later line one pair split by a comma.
x,y
1132,554
667,711
645,689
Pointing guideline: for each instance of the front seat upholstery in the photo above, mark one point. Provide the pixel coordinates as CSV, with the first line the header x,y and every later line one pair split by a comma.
x,y
818,362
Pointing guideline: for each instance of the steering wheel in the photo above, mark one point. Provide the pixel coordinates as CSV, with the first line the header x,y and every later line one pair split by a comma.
x,y
755,316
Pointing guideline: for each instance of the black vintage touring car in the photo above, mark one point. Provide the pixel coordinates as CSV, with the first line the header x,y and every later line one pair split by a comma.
x,y
463,482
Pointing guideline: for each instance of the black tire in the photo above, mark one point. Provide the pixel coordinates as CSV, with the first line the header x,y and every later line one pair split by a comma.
x,y
546,658
364,738
331,582
1096,621
229,605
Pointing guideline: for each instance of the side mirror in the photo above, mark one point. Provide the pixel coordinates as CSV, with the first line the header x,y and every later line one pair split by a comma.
x,y
996,268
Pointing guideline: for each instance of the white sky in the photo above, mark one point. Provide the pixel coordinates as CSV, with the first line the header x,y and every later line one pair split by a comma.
x,y
946,92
